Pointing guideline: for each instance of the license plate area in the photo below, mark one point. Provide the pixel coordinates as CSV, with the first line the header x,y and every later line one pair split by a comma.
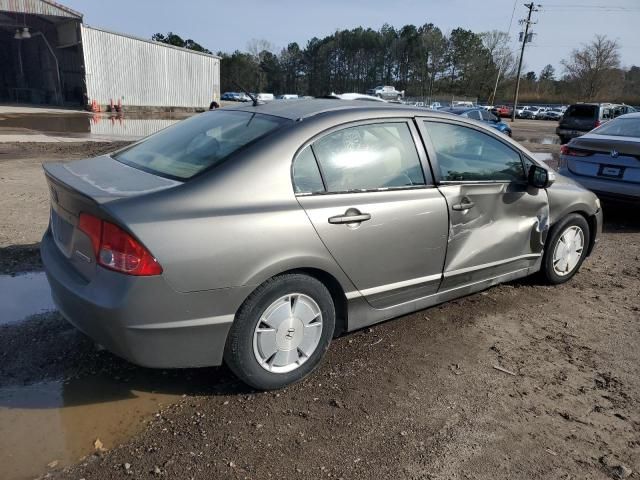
x,y
62,232
609,171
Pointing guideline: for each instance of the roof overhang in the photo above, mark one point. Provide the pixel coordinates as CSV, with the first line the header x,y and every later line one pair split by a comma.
x,y
39,7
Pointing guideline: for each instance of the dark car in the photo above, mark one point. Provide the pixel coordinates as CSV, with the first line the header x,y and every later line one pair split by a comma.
x,y
481,115
607,160
581,118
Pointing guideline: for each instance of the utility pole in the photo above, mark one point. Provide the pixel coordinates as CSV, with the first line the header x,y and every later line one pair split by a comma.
x,y
525,39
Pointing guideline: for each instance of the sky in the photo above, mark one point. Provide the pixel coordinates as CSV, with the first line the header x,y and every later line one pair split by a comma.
x,y
562,25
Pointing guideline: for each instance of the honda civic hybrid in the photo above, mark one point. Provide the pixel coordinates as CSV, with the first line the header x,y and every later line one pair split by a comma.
x,y
253,234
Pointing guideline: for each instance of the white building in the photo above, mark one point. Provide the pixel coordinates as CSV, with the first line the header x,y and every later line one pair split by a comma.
x,y
49,56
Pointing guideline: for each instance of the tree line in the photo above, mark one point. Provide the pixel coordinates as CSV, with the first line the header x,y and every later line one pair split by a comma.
x,y
425,62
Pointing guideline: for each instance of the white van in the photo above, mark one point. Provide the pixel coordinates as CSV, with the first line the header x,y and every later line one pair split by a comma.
x,y
264,97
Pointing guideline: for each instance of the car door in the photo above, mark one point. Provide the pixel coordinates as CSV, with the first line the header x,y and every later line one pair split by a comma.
x,y
498,223
376,209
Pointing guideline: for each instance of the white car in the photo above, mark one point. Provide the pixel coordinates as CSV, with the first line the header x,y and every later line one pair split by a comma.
x,y
288,96
265,97
356,96
386,92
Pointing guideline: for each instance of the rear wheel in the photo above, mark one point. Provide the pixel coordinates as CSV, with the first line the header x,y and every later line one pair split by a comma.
x,y
566,249
281,332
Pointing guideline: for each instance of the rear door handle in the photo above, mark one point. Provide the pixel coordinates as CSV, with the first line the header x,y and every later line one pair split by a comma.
x,y
464,205
352,215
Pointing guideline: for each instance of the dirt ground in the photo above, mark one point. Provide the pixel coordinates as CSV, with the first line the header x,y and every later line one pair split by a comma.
x,y
417,397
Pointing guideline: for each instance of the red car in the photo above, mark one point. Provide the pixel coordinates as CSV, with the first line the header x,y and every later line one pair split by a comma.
x,y
502,111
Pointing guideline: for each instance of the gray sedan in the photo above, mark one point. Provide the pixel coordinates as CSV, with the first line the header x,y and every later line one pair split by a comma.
x,y
607,159
254,234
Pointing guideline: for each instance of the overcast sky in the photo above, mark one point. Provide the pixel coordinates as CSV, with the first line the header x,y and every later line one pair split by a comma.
x,y
229,25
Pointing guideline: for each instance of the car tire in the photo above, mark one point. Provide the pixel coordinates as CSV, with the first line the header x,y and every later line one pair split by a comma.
x,y
260,345
561,258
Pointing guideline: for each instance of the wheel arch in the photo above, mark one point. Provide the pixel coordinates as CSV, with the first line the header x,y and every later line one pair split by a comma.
x,y
336,288
591,222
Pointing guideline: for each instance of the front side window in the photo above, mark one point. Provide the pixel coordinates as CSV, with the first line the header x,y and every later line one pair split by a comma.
x,y
369,157
200,142
465,154
474,114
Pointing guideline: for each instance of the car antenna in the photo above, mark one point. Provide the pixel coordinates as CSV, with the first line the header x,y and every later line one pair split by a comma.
x,y
253,98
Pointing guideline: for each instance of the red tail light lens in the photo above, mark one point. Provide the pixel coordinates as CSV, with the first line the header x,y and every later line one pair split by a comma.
x,y
566,150
116,249
598,123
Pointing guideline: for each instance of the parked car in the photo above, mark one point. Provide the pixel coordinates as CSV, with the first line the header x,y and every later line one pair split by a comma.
x,y
533,113
607,159
435,106
462,104
356,96
235,97
264,97
553,114
581,118
386,92
502,111
481,115
521,109
288,96
171,253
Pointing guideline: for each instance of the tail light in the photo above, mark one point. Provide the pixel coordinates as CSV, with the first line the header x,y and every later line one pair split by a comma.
x,y
116,250
571,152
598,123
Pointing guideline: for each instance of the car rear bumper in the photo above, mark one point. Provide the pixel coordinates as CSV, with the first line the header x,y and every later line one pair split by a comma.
x,y
606,189
142,319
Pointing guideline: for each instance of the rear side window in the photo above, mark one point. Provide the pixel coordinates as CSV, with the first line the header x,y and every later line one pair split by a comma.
x,y
200,142
306,176
465,154
369,157
582,111
620,127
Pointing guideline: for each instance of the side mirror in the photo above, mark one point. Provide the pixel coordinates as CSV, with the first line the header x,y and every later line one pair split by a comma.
x,y
540,177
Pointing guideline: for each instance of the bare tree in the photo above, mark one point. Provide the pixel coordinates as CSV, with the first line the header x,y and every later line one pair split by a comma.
x,y
592,65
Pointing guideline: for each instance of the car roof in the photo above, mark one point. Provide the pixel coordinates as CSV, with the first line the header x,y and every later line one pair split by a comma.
x,y
460,110
630,115
304,108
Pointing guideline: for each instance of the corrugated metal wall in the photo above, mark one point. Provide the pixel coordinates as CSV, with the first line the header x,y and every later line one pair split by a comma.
x,y
145,73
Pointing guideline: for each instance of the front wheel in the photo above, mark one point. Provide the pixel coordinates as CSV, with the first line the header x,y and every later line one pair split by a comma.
x,y
566,249
281,332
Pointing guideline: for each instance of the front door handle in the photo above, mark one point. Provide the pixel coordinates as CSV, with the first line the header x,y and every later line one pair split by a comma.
x,y
352,215
466,204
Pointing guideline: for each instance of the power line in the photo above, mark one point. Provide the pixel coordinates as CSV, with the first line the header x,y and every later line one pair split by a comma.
x,y
502,64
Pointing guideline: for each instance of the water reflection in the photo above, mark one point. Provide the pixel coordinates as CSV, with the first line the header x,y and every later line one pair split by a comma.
x,y
24,295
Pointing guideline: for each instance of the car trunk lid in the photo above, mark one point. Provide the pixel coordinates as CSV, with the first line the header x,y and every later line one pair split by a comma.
x,y
89,186
607,157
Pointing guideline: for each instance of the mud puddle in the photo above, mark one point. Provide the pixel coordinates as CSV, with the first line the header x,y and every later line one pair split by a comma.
x,y
88,126
24,295
49,425
551,140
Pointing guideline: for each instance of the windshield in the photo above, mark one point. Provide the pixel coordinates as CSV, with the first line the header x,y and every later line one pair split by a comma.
x,y
200,142
620,127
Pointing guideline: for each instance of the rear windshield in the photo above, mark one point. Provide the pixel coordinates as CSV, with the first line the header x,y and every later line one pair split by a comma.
x,y
200,142
582,111
620,127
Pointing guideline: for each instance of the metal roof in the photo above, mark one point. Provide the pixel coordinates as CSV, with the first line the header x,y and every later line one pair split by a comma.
x,y
38,7
140,39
